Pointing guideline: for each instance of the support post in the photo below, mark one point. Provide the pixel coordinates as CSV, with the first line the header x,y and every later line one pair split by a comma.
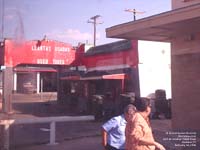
x,y
6,135
41,90
15,82
123,82
52,133
59,88
38,82
7,103
7,89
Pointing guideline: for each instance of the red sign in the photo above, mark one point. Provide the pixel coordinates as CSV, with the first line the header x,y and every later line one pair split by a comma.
x,y
38,52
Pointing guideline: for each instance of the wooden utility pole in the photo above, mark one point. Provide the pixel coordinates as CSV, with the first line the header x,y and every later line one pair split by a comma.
x,y
93,20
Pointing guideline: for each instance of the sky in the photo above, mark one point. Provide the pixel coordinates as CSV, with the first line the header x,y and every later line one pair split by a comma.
x,y
67,20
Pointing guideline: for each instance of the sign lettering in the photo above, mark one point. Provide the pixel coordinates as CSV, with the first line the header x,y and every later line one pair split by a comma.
x,y
32,52
62,49
41,48
42,61
59,61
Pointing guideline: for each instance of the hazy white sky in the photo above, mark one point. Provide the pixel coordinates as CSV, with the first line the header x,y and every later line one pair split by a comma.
x,y
66,20
154,67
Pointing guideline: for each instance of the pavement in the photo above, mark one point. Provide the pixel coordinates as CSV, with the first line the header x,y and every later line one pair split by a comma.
x,y
88,143
84,136
71,136
81,135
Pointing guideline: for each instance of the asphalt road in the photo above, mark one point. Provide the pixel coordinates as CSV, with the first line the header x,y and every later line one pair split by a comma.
x,y
38,134
86,143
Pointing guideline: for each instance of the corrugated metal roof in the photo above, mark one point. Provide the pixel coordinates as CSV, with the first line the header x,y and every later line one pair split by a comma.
x,y
109,48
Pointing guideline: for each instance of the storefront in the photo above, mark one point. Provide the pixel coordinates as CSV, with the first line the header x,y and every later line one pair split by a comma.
x,y
35,79
35,64
32,66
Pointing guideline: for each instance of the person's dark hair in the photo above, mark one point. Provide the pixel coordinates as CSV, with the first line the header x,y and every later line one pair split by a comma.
x,y
142,103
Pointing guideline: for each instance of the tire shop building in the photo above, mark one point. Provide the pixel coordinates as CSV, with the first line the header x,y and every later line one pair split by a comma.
x,y
47,65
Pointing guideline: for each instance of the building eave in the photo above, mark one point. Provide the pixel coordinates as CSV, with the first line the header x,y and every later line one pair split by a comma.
x,y
161,27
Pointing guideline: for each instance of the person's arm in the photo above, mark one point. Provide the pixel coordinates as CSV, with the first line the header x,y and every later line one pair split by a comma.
x,y
151,142
104,137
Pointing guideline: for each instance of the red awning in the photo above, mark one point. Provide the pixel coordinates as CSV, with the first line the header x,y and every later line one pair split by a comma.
x,y
115,76
109,77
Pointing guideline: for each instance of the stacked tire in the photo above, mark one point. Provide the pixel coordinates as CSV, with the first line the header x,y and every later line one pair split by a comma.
x,y
162,105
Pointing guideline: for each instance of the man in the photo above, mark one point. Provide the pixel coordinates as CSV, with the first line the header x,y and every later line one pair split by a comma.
x,y
113,131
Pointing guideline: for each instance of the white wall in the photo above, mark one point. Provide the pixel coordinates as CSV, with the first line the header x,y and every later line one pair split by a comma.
x,y
154,67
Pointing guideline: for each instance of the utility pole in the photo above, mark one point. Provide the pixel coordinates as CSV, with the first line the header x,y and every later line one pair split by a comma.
x,y
134,12
93,20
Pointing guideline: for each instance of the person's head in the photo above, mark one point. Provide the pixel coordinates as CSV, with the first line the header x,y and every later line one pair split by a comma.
x,y
129,111
143,105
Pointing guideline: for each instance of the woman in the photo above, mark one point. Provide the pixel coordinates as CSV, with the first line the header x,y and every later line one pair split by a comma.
x,y
138,130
